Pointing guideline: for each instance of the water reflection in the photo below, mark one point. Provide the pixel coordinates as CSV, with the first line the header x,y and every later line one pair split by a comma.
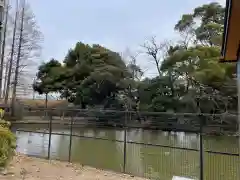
x,y
143,160
33,143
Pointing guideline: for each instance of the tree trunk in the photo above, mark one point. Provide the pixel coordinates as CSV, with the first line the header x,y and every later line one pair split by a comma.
x,y
18,57
3,52
5,76
11,58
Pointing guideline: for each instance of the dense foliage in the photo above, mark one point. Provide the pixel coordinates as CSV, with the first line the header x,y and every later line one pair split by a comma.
x,y
190,78
7,141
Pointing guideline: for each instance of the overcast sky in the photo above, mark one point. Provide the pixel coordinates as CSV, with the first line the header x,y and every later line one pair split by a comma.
x,y
116,24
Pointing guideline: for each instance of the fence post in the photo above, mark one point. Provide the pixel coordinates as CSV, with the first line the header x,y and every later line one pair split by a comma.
x,y
238,86
50,136
201,148
70,143
125,142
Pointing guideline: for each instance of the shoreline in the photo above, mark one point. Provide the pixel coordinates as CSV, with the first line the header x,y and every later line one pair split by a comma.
x,y
31,168
209,130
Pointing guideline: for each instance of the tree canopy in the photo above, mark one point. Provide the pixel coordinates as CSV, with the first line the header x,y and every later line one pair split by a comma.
x,y
89,75
190,77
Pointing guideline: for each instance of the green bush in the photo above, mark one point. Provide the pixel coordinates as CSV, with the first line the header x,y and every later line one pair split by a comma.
x,y
7,143
5,124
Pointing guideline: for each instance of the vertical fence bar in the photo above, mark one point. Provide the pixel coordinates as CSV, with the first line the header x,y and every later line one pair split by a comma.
x,y
238,86
50,137
201,148
70,143
125,143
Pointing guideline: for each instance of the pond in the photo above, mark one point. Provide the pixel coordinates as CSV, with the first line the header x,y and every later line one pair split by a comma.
x,y
178,154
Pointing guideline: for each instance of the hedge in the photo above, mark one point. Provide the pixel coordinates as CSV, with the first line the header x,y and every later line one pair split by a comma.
x,y
7,141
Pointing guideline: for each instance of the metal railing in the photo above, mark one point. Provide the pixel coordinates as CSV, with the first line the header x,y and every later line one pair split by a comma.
x,y
205,158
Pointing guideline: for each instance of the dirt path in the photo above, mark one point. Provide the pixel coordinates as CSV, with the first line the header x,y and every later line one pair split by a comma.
x,y
28,168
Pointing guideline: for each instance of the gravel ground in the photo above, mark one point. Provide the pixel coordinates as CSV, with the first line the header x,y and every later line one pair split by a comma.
x,y
29,168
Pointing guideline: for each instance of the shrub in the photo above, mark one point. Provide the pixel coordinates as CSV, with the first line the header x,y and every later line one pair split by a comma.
x,y
5,124
7,142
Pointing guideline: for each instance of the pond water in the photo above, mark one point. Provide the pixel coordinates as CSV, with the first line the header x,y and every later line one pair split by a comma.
x,y
157,162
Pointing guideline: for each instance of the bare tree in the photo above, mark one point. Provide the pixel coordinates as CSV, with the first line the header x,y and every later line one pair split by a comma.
x,y
27,49
7,48
130,95
156,51
30,51
11,56
18,54
3,46
133,67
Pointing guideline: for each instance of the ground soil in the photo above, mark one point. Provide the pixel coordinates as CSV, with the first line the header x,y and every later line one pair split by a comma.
x,y
29,168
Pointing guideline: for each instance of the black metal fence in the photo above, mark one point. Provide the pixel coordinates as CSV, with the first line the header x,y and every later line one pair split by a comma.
x,y
155,145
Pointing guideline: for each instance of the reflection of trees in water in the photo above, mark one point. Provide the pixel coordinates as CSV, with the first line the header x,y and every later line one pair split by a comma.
x,y
222,143
141,159
134,159
179,139
168,162
37,144
158,161
97,153
61,150
87,132
186,140
32,143
21,142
